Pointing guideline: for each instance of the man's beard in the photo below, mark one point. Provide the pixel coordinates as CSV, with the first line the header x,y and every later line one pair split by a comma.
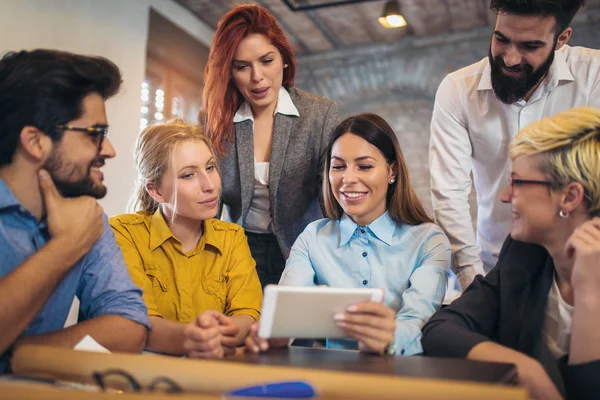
x,y
510,90
61,173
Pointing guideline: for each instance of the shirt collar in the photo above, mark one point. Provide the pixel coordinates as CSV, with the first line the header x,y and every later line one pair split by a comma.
x,y
382,228
210,237
159,230
559,71
7,198
485,82
285,106
160,233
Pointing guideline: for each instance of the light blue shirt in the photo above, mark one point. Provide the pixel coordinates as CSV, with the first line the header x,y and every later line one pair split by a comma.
x,y
410,262
100,280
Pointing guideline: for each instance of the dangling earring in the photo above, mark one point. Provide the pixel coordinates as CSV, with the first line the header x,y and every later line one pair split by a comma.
x,y
563,214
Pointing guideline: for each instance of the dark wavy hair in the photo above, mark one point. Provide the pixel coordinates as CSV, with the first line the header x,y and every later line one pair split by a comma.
x,y
562,10
45,88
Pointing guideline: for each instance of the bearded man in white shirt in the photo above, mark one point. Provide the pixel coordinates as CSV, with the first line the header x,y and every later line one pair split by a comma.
x,y
530,73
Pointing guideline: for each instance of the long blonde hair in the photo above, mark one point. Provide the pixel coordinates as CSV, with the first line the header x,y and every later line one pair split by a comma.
x,y
153,154
569,143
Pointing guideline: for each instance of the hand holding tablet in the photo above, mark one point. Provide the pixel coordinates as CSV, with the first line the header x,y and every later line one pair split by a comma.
x,y
308,312
319,312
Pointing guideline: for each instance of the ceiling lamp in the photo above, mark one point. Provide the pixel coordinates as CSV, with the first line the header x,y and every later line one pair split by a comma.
x,y
391,17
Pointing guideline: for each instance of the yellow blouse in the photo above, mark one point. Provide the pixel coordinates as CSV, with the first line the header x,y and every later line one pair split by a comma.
x,y
218,274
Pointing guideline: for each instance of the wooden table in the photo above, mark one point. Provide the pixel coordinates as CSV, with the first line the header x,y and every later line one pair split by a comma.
x,y
333,374
414,366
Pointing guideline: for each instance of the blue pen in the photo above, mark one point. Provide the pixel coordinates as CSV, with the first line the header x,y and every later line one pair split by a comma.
x,y
286,390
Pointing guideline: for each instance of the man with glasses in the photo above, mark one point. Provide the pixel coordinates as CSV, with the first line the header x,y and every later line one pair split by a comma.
x,y
529,73
55,241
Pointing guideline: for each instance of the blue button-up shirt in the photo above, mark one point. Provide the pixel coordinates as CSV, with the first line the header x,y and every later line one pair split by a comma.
x,y
100,279
409,261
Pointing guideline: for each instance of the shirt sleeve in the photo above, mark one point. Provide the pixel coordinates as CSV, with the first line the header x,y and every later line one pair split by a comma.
x,y
332,119
424,295
581,381
106,287
244,293
450,165
134,264
298,267
469,320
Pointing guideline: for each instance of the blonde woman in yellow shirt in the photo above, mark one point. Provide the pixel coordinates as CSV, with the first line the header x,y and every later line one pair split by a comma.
x,y
198,276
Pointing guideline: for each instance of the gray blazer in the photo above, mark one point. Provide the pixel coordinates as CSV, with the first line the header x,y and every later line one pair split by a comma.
x,y
294,170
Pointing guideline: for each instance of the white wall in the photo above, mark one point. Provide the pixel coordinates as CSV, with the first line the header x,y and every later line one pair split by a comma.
x,y
116,29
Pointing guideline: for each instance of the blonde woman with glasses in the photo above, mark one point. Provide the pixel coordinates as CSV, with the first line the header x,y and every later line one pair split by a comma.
x,y
199,278
539,308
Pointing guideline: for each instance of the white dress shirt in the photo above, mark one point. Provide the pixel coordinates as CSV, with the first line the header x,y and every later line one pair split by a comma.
x,y
259,219
471,131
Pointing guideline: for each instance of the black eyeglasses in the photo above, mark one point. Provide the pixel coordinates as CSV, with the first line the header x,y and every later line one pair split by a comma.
x,y
98,132
512,182
116,378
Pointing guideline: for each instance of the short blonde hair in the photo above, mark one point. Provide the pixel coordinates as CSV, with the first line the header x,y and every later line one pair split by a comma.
x,y
153,154
569,144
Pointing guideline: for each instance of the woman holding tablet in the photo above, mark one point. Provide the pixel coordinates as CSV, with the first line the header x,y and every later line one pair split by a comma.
x,y
377,235
270,134
197,273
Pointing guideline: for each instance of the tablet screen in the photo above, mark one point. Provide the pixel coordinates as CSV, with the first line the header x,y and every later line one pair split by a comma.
x,y
307,312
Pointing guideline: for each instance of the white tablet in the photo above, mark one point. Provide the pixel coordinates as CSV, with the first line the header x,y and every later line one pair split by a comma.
x,y
307,311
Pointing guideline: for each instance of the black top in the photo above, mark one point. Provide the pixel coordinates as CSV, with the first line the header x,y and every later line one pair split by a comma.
x,y
353,361
508,307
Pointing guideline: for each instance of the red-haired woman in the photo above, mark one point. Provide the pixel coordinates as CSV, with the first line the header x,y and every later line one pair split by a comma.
x,y
269,134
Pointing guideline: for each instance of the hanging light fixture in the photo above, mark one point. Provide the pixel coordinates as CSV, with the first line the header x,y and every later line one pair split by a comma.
x,y
391,17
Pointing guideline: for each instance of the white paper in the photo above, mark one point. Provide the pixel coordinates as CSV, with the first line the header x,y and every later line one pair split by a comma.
x,y
89,344
73,315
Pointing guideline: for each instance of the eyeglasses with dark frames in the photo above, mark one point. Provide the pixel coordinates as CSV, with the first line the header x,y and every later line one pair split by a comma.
x,y
106,380
95,131
512,182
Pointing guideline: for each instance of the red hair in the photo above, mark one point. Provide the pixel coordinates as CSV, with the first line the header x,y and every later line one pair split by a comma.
x,y
221,98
